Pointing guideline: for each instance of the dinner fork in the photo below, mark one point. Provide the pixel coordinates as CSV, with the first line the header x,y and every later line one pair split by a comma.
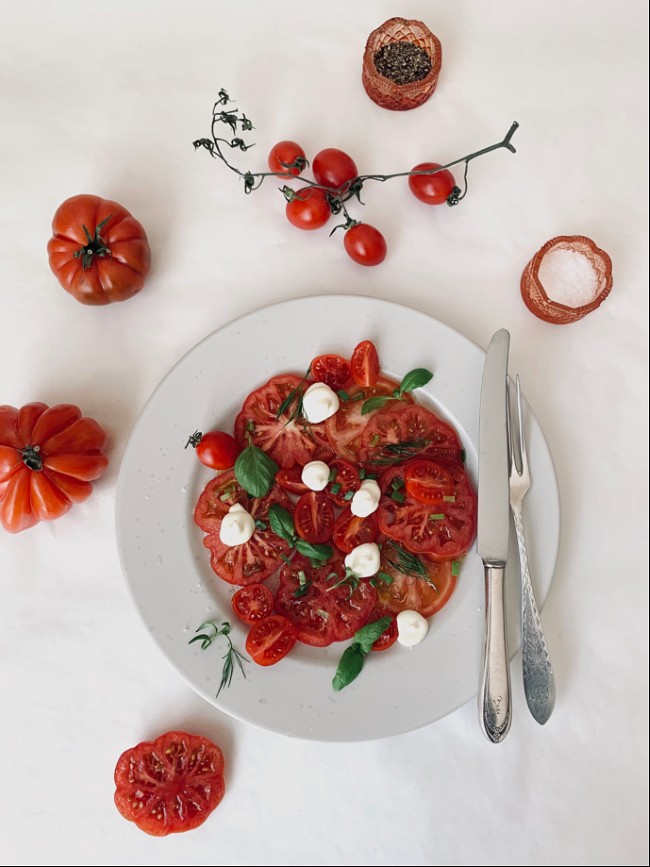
x,y
539,680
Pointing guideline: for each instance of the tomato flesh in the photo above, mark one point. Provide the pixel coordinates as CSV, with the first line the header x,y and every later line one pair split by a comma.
x,y
314,517
398,424
365,364
408,592
252,603
428,482
271,639
171,784
344,483
389,635
291,480
350,531
333,370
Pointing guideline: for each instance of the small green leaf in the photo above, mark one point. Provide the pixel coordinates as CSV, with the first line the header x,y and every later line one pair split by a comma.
x,y
349,667
318,554
415,379
281,523
255,471
374,403
368,634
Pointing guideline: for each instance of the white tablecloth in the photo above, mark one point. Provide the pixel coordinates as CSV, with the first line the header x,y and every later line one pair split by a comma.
x,y
107,98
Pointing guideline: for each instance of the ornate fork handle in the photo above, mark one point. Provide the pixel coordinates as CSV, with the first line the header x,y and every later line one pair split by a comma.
x,y
539,680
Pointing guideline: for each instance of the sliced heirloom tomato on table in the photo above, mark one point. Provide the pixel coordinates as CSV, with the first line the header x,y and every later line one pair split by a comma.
x,y
99,253
171,784
48,458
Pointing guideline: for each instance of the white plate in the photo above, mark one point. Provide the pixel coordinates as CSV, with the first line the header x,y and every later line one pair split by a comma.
x,y
167,568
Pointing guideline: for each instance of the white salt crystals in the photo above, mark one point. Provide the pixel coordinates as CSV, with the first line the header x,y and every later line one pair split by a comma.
x,y
568,277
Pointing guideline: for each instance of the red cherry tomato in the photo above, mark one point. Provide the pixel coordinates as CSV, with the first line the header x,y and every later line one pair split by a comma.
x,y
216,449
345,482
309,209
171,784
431,189
314,517
333,168
428,482
389,635
365,245
350,531
332,370
252,603
365,364
287,158
290,480
271,639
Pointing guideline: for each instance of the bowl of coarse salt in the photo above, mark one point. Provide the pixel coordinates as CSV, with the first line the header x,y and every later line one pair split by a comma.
x,y
566,279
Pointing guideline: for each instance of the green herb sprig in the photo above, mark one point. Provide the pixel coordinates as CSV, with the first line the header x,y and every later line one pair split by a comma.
x,y
232,656
281,522
395,453
351,663
408,564
294,396
412,380
255,470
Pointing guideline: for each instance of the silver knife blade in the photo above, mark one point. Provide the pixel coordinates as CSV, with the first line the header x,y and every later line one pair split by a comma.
x,y
493,490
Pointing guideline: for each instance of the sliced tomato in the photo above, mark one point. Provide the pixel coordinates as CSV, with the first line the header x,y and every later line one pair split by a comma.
x,y
220,493
410,593
345,427
271,639
428,482
344,483
257,559
332,370
444,532
252,603
313,517
321,611
365,364
350,531
291,480
288,442
389,635
414,426
171,784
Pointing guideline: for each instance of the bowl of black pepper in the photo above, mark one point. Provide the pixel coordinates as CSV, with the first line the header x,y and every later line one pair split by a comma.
x,y
401,64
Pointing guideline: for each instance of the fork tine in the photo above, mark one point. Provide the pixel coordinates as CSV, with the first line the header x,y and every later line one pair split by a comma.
x,y
522,439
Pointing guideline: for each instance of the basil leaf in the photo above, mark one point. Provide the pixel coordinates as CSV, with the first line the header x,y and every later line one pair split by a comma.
x,y
255,471
349,668
368,634
415,379
318,554
374,403
282,523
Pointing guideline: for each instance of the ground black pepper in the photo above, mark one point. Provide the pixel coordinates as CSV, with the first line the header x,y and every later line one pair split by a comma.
x,y
402,62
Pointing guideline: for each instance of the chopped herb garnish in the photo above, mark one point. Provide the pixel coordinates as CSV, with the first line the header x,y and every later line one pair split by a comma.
x,y
455,568
449,499
463,455
294,396
232,656
250,426
348,495
342,393
397,483
304,585
403,561
362,473
398,496
261,525
395,453
437,517
336,487
385,578
332,475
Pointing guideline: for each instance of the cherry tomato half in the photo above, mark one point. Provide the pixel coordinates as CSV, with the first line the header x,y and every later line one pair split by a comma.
x,y
365,364
287,158
309,209
332,370
333,168
216,449
252,603
389,635
271,639
350,531
431,189
365,245
314,517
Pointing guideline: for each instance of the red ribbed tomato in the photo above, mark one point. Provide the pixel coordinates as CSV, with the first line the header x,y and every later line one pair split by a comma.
x,y
48,458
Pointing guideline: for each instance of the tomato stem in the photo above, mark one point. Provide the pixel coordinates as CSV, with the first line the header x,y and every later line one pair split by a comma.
x,y
32,458
96,245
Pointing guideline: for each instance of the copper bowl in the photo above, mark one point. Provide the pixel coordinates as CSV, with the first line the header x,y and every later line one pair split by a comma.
x,y
384,91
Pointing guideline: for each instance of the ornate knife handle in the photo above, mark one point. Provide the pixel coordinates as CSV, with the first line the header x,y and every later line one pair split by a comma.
x,y
539,680
495,708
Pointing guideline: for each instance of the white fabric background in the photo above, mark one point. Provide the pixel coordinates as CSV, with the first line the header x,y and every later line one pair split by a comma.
x,y
107,98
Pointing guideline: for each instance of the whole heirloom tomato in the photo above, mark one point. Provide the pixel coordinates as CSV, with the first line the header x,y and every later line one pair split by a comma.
x,y
98,252
48,457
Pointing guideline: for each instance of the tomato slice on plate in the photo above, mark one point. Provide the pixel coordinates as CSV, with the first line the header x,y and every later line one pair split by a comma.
x,y
365,364
344,483
410,592
332,370
287,442
291,480
313,517
171,784
428,482
345,427
350,531
220,493
252,603
257,559
321,611
271,639
414,427
444,531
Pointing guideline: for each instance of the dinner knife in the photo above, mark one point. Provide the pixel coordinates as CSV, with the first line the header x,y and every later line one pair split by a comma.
x,y
494,700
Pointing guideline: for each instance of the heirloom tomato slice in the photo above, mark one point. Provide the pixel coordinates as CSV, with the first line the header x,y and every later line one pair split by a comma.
x,y
220,493
410,592
171,784
415,427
